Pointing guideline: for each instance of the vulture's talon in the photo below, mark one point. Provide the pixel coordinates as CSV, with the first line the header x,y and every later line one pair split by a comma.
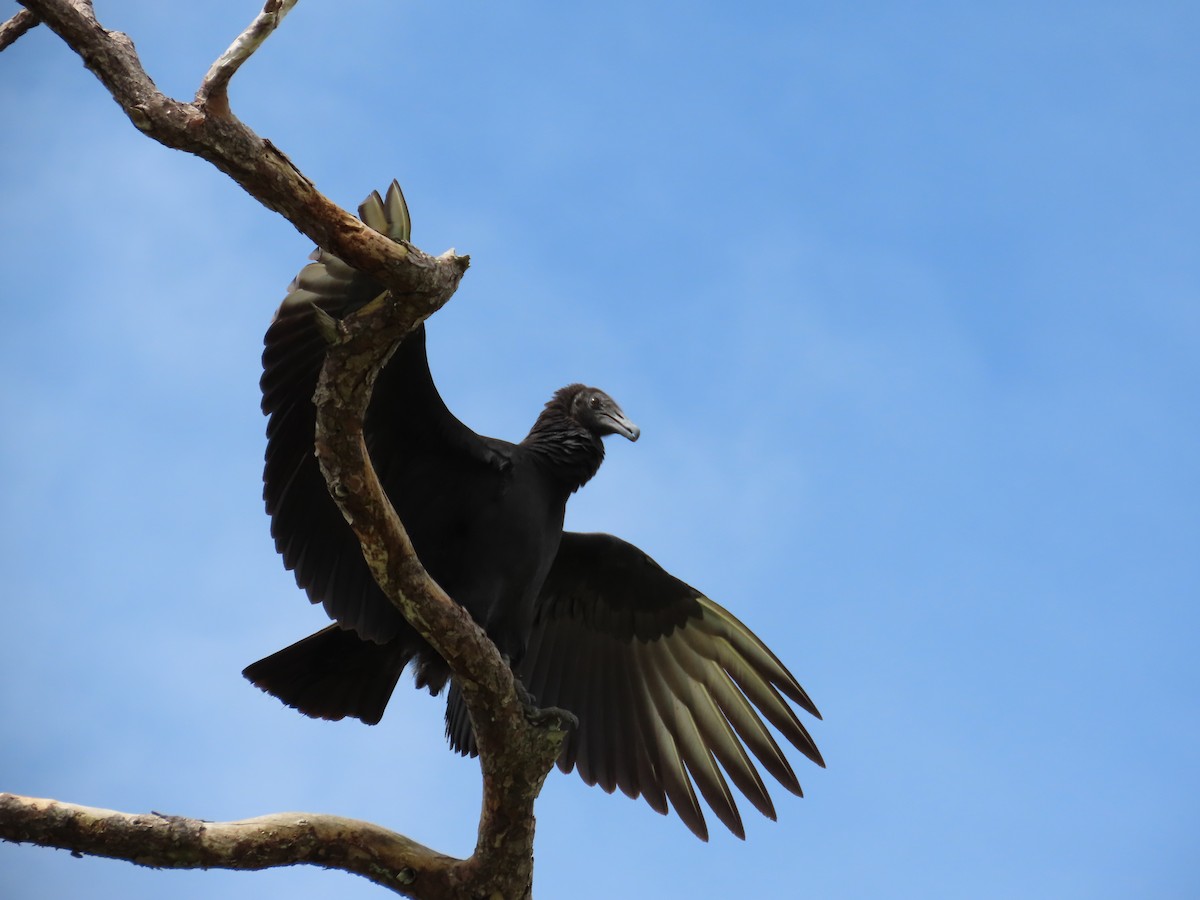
x,y
555,716
527,699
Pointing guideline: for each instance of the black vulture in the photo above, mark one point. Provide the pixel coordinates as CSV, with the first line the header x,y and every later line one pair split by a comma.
x,y
667,686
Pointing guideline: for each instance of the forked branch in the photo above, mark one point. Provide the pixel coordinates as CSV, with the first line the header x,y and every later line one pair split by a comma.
x,y
254,163
214,87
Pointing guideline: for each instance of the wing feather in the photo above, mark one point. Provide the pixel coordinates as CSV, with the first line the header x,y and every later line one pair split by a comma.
x,y
669,763
714,725
642,721
671,690
676,711
596,747
719,622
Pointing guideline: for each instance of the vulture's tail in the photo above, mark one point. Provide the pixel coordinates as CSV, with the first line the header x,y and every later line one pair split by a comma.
x,y
333,674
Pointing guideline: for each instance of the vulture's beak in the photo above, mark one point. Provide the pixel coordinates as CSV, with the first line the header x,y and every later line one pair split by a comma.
x,y
615,419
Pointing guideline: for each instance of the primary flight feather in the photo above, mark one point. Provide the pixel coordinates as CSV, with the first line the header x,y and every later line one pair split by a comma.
x,y
669,688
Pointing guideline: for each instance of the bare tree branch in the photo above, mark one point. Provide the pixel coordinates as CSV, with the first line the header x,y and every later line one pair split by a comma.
x,y
282,839
515,756
218,136
213,89
16,26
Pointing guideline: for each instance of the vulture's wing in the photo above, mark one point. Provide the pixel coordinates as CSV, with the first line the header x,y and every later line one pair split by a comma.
x,y
420,450
666,684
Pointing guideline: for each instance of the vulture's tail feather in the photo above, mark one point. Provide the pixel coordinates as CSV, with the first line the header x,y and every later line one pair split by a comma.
x,y
333,674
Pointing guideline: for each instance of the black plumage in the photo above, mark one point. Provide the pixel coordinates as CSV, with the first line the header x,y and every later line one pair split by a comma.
x,y
668,687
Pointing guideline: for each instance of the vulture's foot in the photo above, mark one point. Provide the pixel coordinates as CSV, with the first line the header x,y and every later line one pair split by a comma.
x,y
537,715
564,720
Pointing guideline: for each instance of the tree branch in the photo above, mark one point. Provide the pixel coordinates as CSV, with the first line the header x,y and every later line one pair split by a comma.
x,y
214,87
16,26
282,839
515,756
216,135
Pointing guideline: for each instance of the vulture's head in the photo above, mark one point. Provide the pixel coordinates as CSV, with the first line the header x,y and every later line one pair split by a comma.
x,y
597,412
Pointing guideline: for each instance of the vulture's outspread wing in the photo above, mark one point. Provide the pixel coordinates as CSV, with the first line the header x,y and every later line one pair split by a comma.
x,y
666,684
426,458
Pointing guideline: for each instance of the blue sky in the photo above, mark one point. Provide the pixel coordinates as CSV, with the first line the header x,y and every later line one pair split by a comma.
x,y
905,298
